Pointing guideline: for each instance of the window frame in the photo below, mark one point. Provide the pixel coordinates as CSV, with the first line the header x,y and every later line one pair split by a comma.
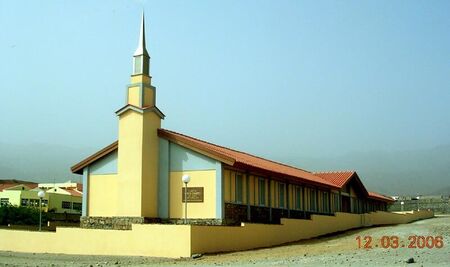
x,y
261,191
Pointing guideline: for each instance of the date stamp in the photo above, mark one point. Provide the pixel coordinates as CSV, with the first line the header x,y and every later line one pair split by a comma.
x,y
393,241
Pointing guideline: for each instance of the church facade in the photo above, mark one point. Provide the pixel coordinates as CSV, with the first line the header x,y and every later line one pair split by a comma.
x,y
138,178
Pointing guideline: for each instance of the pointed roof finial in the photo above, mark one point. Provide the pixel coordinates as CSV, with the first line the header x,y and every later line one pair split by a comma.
x,y
141,49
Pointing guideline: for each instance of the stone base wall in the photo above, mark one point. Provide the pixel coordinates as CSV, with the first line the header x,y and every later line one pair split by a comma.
x,y
195,221
237,213
116,223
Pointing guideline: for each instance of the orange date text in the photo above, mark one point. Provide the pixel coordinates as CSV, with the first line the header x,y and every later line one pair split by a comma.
x,y
413,241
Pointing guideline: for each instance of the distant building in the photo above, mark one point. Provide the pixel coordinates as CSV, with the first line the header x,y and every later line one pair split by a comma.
x,y
59,197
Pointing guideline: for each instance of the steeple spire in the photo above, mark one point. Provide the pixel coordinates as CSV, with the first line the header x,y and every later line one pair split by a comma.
x,y
141,59
141,49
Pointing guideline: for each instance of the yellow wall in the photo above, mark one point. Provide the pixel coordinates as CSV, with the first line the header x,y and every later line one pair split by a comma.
x,y
14,196
133,96
209,239
184,240
103,195
140,79
150,161
148,97
201,210
55,202
143,240
129,164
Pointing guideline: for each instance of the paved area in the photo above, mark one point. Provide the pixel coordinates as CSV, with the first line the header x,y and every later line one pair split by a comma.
x,y
338,250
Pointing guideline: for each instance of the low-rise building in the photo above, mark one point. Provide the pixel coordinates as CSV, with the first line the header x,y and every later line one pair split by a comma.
x,y
59,197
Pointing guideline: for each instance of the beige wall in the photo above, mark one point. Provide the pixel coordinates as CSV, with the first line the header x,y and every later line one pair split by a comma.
x,y
184,240
143,240
201,210
223,238
103,195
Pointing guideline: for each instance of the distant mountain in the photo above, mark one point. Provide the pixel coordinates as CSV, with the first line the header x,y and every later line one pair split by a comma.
x,y
412,172
40,162
444,191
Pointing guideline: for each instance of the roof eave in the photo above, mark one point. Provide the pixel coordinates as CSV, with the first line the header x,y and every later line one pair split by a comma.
x,y
78,168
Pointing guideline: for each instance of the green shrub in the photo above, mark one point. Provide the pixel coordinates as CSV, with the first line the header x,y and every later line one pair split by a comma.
x,y
20,215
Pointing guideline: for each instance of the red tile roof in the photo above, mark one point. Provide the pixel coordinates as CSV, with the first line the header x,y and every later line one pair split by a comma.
x,y
235,158
73,192
241,159
80,187
4,186
339,178
226,155
376,196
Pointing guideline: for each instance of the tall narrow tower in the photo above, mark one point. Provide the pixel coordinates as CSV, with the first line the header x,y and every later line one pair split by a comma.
x,y
138,153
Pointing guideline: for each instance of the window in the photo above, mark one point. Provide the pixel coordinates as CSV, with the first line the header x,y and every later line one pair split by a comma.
x,y
262,191
298,197
66,205
4,201
137,65
238,188
336,202
77,206
44,203
24,202
281,194
33,203
313,199
326,202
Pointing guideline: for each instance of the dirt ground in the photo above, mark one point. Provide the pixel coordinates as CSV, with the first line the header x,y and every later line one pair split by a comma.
x,y
339,250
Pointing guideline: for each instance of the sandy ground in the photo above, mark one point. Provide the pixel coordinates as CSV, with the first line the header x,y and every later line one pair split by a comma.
x,y
339,250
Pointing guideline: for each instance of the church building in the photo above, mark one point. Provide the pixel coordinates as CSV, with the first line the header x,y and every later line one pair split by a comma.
x,y
138,179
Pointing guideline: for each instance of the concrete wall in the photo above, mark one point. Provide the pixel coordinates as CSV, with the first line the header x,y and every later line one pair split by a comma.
x,y
208,239
184,240
175,161
200,210
103,195
143,240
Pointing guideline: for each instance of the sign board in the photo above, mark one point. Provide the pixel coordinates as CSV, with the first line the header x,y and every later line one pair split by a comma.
x,y
194,194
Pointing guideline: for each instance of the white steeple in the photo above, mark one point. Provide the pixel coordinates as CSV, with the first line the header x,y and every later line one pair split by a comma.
x,y
141,49
141,59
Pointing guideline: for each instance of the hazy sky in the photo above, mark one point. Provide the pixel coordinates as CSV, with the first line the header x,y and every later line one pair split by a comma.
x,y
315,78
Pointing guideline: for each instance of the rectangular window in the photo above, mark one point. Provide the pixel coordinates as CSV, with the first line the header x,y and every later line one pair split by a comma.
x,y
4,201
238,188
262,191
336,202
325,202
77,206
138,65
24,202
313,200
66,205
298,197
281,195
34,203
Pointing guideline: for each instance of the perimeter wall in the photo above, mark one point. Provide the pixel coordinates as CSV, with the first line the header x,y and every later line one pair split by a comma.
x,y
173,241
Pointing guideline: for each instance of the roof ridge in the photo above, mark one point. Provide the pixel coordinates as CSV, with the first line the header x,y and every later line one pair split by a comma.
x,y
238,151
332,172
